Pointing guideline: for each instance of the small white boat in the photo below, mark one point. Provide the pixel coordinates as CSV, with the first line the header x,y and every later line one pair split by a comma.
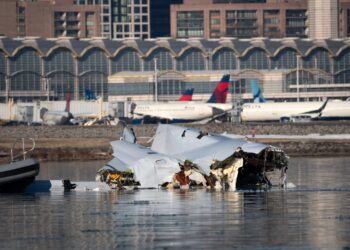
x,y
19,173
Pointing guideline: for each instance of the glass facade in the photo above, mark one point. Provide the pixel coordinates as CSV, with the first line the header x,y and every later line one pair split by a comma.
x,y
255,59
2,72
224,59
126,60
192,59
285,59
317,59
163,57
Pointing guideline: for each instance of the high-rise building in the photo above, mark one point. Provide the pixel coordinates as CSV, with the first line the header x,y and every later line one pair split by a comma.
x,y
239,18
122,18
323,18
48,18
133,18
75,18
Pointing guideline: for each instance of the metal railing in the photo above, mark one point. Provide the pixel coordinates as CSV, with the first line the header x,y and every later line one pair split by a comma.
x,y
24,151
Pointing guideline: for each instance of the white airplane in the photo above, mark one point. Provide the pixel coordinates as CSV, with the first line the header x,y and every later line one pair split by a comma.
x,y
184,111
245,163
57,117
296,111
292,111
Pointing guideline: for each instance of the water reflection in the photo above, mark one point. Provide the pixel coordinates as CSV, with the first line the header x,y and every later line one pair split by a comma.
x,y
314,215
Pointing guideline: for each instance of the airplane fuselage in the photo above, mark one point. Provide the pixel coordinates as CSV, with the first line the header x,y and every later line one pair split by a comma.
x,y
188,111
56,118
334,110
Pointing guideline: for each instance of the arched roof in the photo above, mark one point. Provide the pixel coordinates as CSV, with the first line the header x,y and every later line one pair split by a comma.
x,y
189,48
161,47
223,47
100,48
123,47
315,47
57,47
177,47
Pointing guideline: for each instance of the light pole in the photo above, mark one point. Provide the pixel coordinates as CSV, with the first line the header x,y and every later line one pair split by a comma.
x,y
298,92
47,81
155,80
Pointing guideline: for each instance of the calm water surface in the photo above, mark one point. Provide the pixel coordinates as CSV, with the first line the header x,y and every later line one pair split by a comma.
x,y
314,215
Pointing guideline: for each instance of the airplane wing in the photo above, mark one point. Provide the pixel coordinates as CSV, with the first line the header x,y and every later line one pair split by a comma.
x,y
190,144
312,114
318,111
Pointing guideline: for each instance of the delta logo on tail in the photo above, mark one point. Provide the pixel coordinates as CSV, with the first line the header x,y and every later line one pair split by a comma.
x,y
186,95
256,91
220,93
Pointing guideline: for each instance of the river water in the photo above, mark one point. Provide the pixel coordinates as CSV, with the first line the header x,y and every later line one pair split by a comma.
x,y
314,215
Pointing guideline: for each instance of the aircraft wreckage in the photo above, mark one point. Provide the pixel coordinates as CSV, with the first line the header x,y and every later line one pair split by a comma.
x,y
183,157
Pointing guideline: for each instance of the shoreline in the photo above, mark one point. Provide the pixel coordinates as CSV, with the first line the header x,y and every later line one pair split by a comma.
x,y
53,149
65,143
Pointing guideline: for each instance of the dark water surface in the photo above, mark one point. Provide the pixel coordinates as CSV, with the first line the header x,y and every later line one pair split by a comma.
x,y
314,215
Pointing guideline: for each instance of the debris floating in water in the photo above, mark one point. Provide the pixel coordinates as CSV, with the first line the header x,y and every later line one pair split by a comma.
x,y
182,157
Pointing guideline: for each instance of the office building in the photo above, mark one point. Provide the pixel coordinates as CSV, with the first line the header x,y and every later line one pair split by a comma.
x,y
75,18
238,18
48,18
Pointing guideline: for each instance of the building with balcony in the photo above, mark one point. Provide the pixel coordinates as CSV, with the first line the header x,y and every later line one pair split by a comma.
x,y
316,19
75,18
121,18
239,18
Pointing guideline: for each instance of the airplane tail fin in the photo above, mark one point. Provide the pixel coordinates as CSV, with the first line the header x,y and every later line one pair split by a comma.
x,y
128,133
256,91
220,93
186,95
68,99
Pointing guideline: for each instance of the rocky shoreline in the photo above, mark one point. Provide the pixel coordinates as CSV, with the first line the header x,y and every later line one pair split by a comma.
x,y
93,143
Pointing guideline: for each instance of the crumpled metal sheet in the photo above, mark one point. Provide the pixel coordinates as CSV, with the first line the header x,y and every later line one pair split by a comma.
x,y
151,169
172,144
154,170
183,143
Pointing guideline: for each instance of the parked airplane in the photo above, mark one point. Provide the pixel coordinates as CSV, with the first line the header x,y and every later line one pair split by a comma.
x,y
292,111
184,111
57,117
296,111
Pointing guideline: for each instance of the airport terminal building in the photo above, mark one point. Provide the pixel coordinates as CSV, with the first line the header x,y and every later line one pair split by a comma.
x,y
132,69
